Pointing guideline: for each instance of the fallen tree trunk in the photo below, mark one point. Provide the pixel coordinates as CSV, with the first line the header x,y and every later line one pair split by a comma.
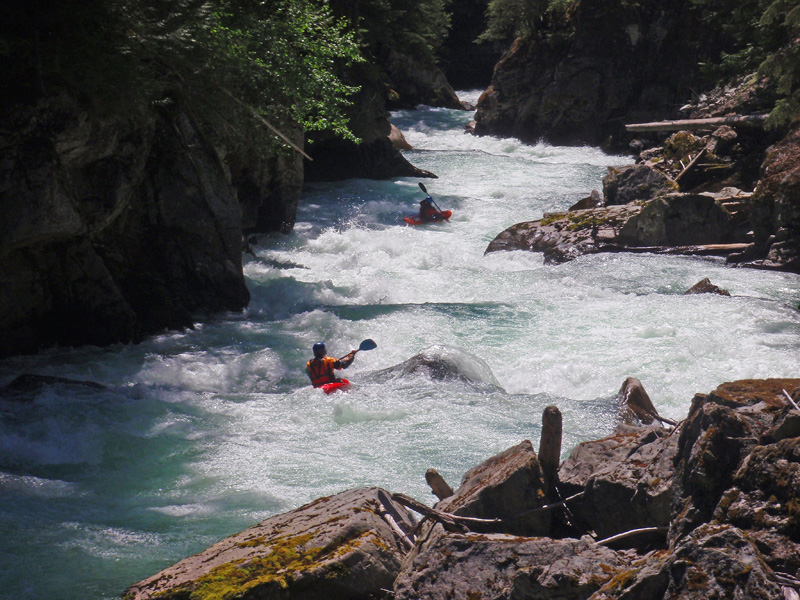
x,y
693,124
697,249
461,524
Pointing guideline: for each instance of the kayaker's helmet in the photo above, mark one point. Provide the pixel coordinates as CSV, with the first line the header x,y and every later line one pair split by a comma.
x,y
319,350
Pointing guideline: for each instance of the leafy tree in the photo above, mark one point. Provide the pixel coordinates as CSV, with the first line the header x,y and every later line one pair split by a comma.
x,y
415,27
508,20
783,66
231,62
757,36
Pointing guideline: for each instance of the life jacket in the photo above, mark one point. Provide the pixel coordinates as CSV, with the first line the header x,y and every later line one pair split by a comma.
x,y
320,370
427,211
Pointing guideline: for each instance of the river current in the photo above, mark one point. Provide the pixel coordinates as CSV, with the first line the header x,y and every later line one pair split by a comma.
x,y
202,433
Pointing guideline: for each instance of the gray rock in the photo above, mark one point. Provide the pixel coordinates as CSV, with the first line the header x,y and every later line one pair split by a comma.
x,y
623,185
507,486
721,431
566,236
114,227
501,567
714,561
338,547
679,220
704,286
626,479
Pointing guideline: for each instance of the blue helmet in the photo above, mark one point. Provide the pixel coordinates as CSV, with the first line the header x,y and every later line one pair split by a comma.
x,y
319,350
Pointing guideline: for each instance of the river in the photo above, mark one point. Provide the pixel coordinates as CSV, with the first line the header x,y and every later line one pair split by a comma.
x,y
202,433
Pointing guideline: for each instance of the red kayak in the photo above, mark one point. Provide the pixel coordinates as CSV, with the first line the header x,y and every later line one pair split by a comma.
x,y
329,388
416,220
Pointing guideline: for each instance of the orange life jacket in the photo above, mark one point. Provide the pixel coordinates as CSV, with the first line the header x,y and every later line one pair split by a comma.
x,y
320,370
427,212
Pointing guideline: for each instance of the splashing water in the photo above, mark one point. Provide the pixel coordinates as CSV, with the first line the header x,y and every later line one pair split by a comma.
x,y
202,433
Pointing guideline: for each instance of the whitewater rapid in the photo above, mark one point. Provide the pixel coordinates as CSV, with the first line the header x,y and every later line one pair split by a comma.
x,y
204,432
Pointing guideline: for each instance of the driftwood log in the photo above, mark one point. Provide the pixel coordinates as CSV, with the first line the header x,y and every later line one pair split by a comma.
x,y
550,447
439,486
461,524
691,164
694,124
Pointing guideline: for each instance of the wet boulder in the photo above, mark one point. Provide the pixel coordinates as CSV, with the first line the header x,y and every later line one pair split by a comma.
x,y
347,547
680,220
704,286
502,567
443,363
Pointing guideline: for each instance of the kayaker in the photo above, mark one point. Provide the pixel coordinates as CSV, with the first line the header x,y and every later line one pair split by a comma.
x,y
320,368
427,212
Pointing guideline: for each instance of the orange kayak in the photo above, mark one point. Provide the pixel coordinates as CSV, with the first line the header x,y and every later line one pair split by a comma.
x,y
329,388
416,220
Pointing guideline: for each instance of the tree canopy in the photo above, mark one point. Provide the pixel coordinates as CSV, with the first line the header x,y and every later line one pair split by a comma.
x,y
227,60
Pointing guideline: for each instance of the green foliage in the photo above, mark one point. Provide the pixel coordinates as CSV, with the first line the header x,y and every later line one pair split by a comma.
x,y
228,61
414,27
508,20
783,65
757,36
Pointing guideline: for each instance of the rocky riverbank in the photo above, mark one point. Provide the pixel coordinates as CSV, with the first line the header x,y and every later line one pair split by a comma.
x,y
707,508
695,193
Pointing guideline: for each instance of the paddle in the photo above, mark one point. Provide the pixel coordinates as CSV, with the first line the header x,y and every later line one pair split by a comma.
x,y
365,345
424,189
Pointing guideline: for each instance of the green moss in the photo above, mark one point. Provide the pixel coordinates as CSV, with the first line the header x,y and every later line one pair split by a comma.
x,y
280,567
584,221
550,219
232,579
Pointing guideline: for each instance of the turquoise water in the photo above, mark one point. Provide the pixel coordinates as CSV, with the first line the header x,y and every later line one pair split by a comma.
x,y
205,432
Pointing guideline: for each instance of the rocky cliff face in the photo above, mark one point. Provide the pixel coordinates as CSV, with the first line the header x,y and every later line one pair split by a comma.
x,y
118,226
775,208
616,62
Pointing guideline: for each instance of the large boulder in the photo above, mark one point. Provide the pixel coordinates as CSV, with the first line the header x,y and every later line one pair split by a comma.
x,y
674,223
623,185
680,220
503,567
626,480
722,430
507,486
566,236
346,547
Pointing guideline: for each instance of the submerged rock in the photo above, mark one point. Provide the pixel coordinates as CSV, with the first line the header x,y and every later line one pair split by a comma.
x,y
26,387
441,363
704,286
